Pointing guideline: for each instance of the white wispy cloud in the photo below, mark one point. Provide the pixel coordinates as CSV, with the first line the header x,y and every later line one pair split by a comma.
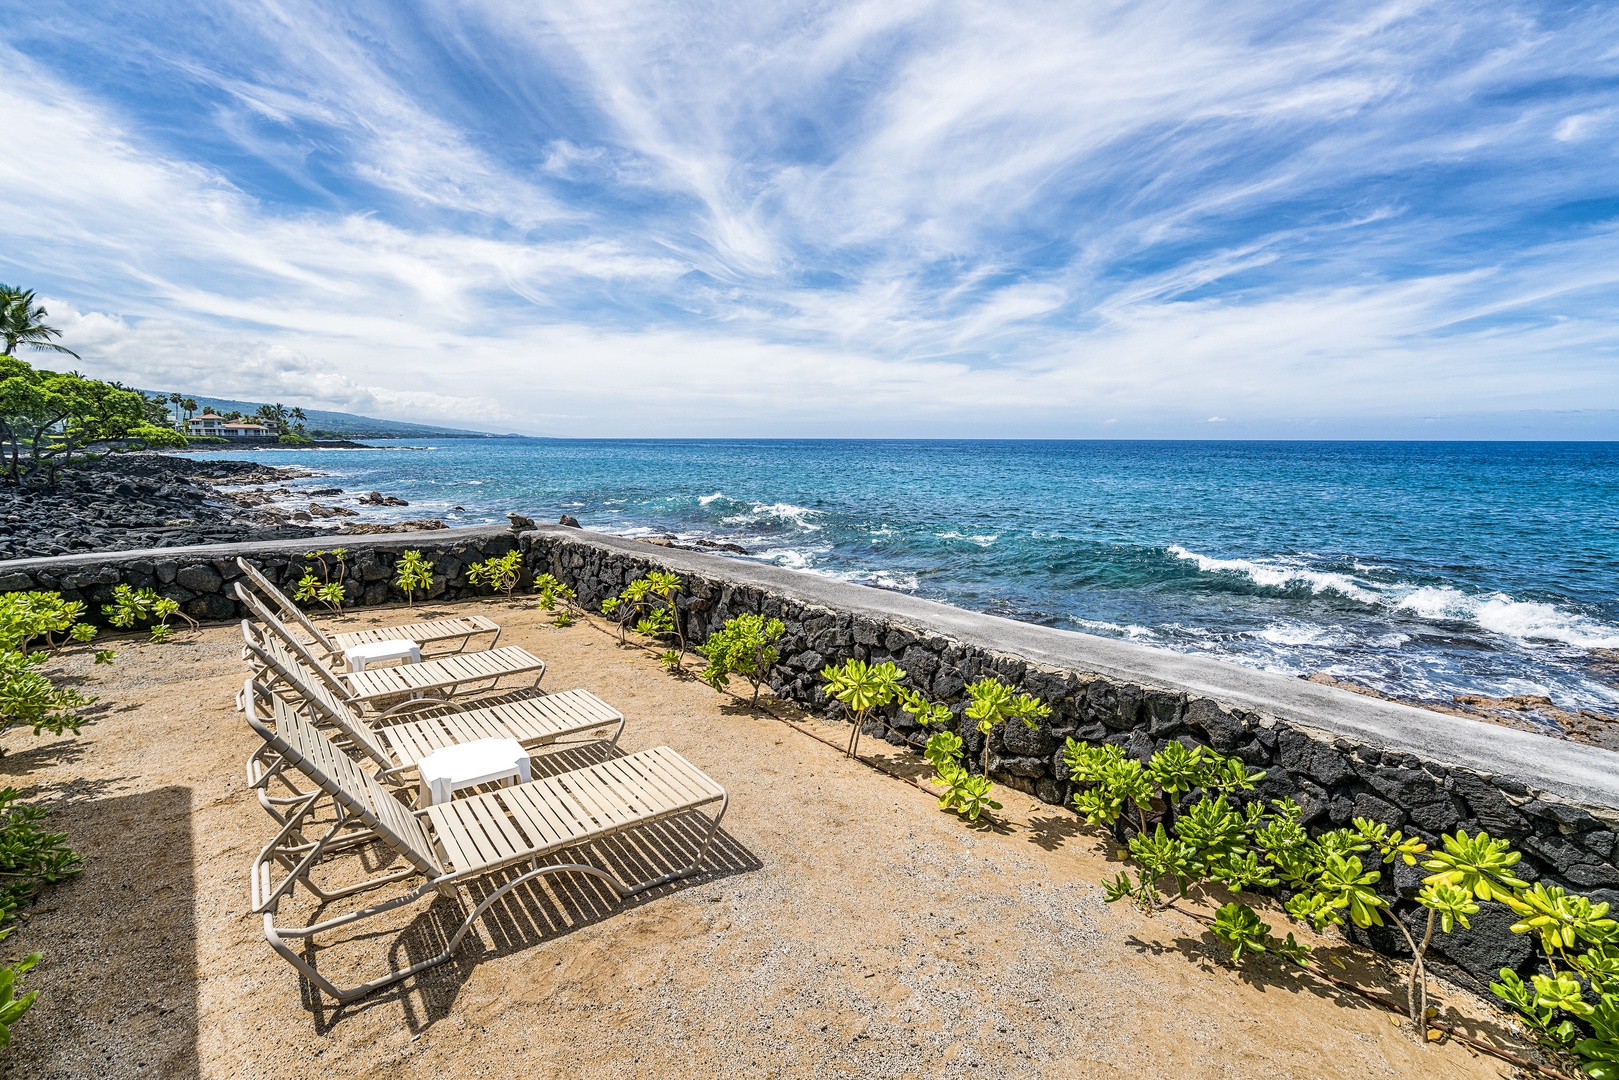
x,y
898,218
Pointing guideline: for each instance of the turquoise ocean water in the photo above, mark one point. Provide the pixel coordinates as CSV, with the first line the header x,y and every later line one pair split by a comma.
x,y
1422,569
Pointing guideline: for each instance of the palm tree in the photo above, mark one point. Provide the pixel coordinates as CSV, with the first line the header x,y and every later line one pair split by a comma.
x,y
179,421
298,419
190,406
20,323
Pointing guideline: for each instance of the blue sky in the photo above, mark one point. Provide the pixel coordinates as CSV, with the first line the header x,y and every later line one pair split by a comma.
x,y
1167,219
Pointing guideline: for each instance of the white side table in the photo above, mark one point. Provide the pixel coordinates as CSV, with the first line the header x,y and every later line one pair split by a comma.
x,y
375,652
465,765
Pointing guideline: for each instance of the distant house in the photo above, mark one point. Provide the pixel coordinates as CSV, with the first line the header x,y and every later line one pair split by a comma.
x,y
243,430
217,426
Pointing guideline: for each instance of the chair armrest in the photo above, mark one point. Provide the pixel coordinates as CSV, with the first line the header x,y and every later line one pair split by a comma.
x,y
421,703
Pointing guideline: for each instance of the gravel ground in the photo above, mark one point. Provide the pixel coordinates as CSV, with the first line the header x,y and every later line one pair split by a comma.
x,y
849,929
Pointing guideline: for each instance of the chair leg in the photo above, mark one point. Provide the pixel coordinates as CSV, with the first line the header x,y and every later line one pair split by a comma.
x,y
274,934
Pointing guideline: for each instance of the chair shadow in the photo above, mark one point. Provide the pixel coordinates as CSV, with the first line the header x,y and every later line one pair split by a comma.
x,y
542,910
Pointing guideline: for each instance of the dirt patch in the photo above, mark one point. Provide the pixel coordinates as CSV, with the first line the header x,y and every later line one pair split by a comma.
x,y
849,928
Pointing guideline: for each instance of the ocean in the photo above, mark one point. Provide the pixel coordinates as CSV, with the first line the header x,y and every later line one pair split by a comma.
x,y
1423,570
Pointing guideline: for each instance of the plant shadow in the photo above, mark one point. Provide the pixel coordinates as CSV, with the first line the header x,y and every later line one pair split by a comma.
x,y
1368,973
1053,831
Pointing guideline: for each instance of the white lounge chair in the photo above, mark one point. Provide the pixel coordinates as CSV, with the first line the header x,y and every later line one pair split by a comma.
x,y
436,636
420,727
374,688
456,843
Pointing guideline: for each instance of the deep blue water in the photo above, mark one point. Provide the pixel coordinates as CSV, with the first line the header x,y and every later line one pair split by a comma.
x,y
1424,569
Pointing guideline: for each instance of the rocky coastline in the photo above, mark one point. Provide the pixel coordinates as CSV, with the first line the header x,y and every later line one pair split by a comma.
x,y
136,501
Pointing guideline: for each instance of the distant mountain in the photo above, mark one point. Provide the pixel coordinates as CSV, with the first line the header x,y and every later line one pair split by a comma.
x,y
346,425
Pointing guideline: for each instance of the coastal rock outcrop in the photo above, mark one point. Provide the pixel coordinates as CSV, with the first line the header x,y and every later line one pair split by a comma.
x,y
139,501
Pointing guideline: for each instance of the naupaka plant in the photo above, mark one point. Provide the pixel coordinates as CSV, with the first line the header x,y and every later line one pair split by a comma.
x,y
413,574
990,702
550,592
862,688
965,793
1247,846
324,590
26,617
649,602
131,607
500,573
746,646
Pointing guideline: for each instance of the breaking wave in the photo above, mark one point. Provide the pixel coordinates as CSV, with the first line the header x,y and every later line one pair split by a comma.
x,y
1496,613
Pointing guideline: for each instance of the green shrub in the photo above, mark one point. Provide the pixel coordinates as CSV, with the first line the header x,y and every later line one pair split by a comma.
x,y
549,592
30,859
500,574
413,574
28,697
992,702
649,603
325,590
966,794
862,688
130,607
26,617
1576,1009
11,1006
744,646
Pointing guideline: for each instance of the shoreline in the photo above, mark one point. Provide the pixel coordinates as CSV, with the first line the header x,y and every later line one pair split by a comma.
x,y
162,500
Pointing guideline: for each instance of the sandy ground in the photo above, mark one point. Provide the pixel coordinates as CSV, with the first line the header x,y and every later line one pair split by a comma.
x,y
848,929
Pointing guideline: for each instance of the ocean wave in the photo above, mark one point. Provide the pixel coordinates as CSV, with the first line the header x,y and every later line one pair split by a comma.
x,y
1495,613
984,540
1129,630
785,557
1498,613
786,512
704,500
1299,634
1279,575
880,579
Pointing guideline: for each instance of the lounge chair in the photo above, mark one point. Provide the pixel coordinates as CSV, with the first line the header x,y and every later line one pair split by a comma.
x,y
436,637
398,742
460,842
373,688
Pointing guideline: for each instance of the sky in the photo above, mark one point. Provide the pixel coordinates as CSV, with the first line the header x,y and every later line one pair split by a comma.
x,y
898,218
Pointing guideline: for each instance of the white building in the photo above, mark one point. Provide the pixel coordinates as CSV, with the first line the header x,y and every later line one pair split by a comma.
x,y
212,424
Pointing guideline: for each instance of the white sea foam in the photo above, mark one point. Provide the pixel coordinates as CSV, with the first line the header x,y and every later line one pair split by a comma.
x,y
1495,613
1526,620
1279,575
983,540
704,500
1297,633
882,579
798,515
787,557
1129,630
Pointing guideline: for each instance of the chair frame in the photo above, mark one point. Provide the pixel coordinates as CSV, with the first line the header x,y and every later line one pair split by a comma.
x,y
373,686
393,748
425,839
335,644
